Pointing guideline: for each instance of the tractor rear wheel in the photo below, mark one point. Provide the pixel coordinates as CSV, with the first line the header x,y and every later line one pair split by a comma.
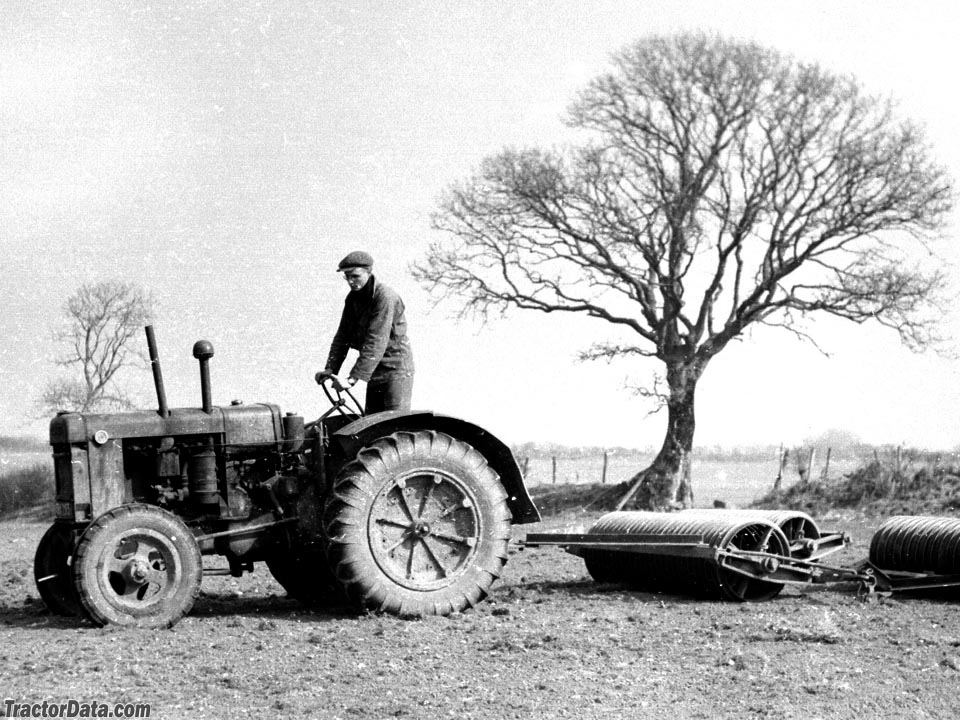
x,y
418,525
51,570
137,565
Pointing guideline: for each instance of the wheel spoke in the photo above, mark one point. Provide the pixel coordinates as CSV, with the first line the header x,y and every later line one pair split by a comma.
x,y
413,549
465,503
144,554
153,586
116,565
433,557
794,530
395,523
398,543
765,539
404,503
432,482
459,539
156,577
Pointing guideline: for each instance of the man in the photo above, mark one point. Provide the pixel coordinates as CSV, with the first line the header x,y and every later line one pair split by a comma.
x,y
373,323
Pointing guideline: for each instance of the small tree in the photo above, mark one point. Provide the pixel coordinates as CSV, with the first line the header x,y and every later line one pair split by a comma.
x,y
100,321
720,186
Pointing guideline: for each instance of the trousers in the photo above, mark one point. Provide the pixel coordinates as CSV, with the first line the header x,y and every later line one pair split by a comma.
x,y
394,393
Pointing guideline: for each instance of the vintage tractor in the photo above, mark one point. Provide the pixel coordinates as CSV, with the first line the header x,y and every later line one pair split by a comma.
x,y
402,512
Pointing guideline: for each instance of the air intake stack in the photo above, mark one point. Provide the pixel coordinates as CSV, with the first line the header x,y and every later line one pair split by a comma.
x,y
203,351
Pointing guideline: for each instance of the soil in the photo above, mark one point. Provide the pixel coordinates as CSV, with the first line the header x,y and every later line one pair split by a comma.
x,y
548,643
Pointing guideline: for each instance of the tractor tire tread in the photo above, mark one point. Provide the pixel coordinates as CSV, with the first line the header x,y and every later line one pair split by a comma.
x,y
351,503
87,592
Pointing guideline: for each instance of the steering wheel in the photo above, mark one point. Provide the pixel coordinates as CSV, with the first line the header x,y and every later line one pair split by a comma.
x,y
344,403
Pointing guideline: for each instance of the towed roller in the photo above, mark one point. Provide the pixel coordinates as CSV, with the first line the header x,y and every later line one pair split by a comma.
x,y
685,554
917,544
915,552
752,554
806,539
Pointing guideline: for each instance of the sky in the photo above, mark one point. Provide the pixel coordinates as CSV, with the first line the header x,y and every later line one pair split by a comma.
x,y
225,156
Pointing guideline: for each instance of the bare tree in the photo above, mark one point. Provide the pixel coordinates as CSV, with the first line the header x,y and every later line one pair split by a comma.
x,y
718,186
100,321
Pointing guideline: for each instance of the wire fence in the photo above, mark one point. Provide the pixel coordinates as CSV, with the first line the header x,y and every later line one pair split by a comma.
x,y
735,478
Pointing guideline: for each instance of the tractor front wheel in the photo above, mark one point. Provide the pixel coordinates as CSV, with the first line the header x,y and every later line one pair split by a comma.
x,y
418,525
137,565
51,570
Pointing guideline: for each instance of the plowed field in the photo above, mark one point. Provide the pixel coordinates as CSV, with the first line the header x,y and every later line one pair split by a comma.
x,y
549,643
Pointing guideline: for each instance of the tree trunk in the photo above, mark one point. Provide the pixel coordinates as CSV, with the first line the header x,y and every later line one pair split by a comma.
x,y
666,483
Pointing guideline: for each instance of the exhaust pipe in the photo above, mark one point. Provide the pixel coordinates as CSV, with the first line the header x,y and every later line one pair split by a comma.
x,y
162,409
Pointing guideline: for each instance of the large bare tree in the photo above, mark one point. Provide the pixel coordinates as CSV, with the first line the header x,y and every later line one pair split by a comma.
x,y
716,185
100,320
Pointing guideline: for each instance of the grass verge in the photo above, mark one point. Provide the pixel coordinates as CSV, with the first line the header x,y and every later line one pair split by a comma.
x,y
876,489
27,490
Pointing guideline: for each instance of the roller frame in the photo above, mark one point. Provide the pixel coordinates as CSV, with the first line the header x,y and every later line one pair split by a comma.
x,y
826,544
885,582
768,567
757,565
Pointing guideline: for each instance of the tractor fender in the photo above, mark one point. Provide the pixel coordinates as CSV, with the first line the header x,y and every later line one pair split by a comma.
x,y
352,437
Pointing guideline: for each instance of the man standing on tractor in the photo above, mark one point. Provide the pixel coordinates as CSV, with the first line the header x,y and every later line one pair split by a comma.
x,y
373,323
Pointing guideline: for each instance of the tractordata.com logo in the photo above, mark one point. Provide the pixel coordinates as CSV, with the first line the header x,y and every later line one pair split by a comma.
x,y
73,709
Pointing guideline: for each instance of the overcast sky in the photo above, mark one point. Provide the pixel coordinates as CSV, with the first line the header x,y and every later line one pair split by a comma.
x,y
226,155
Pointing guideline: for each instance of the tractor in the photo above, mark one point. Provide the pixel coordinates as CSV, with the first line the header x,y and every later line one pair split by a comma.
x,y
407,513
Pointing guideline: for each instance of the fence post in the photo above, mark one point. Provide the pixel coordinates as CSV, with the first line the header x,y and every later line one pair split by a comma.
x,y
826,466
554,461
805,466
781,463
603,477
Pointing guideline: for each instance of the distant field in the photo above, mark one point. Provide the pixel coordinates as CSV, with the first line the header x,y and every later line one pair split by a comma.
x,y
26,480
17,453
738,482
17,460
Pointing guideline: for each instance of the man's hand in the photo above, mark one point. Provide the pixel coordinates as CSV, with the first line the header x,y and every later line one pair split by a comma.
x,y
342,385
323,375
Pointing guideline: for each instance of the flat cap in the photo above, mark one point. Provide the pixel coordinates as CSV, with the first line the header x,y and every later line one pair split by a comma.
x,y
356,259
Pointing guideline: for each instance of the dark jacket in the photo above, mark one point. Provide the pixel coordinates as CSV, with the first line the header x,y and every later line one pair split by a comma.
x,y
373,322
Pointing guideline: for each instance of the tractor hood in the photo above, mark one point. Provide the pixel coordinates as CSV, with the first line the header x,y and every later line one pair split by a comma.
x,y
237,424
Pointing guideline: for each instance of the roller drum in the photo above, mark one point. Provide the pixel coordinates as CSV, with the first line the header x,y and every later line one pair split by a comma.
x,y
681,574
796,525
917,543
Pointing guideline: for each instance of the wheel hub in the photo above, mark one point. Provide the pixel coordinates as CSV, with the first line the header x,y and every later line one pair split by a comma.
x,y
423,529
136,572
139,570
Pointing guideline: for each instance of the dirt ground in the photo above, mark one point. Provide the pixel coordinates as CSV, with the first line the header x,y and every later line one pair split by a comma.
x,y
549,643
